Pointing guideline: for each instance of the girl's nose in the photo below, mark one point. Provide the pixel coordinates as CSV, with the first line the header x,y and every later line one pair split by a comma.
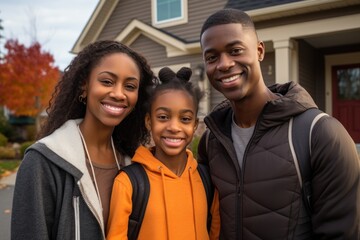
x,y
174,126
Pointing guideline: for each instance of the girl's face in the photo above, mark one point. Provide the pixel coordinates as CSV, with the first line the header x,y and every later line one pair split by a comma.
x,y
172,122
112,90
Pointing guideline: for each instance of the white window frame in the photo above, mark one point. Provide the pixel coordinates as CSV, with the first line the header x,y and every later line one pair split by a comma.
x,y
170,22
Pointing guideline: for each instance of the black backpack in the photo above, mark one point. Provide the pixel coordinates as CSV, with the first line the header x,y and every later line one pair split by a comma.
x,y
141,190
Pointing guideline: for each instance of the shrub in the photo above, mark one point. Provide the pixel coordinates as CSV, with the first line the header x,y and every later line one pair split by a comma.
x,y
193,146
24,146
3,140
7,153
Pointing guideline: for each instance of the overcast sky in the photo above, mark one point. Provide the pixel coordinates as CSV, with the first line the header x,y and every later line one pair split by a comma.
x,y
58,24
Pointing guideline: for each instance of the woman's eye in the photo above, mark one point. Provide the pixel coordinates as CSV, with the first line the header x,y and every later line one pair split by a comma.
x,y
106,81
131,87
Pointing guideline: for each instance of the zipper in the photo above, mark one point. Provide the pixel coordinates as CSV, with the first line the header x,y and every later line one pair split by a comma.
x,y
92,210
240,176
77,217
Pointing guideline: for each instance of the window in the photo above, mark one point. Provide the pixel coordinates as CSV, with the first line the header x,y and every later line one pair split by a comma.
x,y
169,12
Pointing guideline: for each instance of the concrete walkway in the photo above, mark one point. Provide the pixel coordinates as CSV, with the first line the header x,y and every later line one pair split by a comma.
x,y
6,195
8,180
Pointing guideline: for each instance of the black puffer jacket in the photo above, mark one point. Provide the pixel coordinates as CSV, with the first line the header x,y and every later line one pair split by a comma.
x,y
262,199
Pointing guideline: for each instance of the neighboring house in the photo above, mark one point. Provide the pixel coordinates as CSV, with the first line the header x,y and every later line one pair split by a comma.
x,y
313,42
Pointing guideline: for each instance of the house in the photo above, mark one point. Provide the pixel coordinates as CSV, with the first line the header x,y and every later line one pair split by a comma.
x,y
313,42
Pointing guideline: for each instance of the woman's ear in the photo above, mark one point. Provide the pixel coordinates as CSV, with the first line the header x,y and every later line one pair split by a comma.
x,y
148,122
84,89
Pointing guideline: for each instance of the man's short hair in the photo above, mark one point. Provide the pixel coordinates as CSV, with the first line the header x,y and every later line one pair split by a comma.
x,y
226,16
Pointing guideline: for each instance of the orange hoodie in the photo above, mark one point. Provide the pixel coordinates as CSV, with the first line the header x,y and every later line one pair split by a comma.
x,y
177,206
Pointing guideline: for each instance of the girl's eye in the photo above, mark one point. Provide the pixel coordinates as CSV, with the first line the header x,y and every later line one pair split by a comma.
x,y
162,117
186,119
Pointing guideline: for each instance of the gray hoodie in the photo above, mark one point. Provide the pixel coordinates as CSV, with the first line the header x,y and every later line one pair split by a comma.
x,y
54,196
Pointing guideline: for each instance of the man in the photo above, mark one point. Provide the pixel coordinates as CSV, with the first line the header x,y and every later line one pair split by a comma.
x,y
248,150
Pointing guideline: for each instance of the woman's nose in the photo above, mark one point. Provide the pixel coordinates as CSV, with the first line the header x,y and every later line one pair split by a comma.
x,y
117,92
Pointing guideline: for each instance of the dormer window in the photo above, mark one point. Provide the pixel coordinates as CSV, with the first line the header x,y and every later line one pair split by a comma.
x,y
167,13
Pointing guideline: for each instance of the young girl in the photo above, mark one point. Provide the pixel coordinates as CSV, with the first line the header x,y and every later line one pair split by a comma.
x,y
177,205
64,183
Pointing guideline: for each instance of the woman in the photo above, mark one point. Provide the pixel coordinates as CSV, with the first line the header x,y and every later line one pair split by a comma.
x,y
95,123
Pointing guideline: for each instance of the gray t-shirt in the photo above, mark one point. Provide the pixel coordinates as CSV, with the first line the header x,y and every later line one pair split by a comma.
x,y
241,137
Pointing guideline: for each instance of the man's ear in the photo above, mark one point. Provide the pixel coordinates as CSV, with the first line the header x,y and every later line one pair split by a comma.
x,y
261,51
148,122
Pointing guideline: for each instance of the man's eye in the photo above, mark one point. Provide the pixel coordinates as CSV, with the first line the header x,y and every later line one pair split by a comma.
x,y
210,59
236,51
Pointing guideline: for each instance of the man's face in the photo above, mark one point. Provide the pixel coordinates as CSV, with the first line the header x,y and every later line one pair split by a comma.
x,y
231,54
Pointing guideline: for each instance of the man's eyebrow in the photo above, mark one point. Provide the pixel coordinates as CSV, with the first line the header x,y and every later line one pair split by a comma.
x,y
230,44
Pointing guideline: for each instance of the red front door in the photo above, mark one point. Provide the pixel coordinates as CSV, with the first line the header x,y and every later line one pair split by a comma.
x,y
346,97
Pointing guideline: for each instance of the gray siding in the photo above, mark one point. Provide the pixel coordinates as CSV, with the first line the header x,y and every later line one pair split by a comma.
x,y
156,54
268,68
124,12
197,14
127,10
247,5
311,68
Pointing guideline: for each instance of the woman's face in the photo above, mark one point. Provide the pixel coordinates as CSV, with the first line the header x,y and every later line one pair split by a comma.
x,y
112,90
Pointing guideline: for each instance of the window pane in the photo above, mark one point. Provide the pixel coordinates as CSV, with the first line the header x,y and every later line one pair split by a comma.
x,y
349,83
168,9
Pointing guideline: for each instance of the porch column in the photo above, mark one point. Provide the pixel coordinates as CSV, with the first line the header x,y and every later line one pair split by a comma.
x,y
286,61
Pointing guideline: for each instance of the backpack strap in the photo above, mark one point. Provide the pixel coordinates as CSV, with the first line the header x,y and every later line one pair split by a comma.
x,y
140,196
209,189
300,130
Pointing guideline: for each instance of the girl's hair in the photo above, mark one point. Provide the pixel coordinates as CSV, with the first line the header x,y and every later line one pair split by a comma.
x,y
65,103
169,80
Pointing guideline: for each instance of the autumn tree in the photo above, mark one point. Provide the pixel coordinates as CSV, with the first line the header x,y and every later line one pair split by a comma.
x,y
27,78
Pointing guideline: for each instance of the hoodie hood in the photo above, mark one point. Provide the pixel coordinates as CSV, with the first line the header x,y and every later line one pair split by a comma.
x,y
66,143
145,157
293,101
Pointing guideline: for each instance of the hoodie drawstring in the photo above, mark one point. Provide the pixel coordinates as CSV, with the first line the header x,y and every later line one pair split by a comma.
x,y
165,202
193,202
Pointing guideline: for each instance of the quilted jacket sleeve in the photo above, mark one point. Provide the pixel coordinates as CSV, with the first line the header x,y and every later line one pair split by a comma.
x,y
336,184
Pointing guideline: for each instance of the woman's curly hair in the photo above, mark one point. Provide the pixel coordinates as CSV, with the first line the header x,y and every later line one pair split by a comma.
x,y
65,104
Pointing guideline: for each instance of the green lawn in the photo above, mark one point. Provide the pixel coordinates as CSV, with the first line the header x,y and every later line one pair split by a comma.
x,y
8,165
